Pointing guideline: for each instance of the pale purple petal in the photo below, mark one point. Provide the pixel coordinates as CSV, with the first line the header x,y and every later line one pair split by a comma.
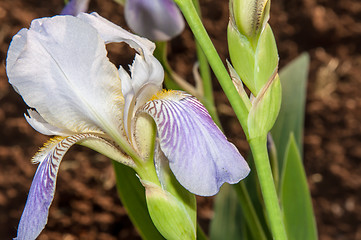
x,y
74,7
41,194
158,20
199,155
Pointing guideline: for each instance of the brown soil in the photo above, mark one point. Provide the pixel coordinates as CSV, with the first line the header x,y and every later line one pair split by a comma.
x,y
86,205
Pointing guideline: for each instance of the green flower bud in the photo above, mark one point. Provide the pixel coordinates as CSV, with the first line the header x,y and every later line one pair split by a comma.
x,y
250,16
253,63
265,108
169,214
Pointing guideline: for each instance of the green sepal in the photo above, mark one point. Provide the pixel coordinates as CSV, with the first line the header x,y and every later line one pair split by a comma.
x,y
295,197
242,55
169,215
265,109
254,64
266,58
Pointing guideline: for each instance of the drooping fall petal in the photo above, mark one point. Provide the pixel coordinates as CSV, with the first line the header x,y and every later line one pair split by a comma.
x,y
41,194
199,155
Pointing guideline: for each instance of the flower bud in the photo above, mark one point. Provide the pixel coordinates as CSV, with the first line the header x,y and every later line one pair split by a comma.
x,y
253,50
157,20
250,16
168,213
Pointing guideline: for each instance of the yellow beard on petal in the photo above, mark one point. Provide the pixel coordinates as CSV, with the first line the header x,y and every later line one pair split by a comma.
x,y
45,148
168,94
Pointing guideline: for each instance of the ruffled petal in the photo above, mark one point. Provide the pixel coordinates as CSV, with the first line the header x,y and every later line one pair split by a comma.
x,y
60,68
146,69
41,194
158,20
113,33
199,154
146,72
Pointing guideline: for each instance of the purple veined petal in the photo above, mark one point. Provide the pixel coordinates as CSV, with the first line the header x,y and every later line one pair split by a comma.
x,y
41,194
199,155
74,7
158,20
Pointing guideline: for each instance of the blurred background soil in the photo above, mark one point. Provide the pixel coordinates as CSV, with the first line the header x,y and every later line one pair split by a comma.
x,y
86,205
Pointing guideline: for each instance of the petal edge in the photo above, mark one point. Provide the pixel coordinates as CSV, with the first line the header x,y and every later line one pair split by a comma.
x,y
199,155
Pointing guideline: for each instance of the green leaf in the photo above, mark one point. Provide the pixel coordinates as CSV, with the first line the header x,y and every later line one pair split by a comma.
x,y
132,195
295,196
291,116
227,216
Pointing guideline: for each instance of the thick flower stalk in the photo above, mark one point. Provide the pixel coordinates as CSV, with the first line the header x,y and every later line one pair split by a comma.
x,y
254,55
60,68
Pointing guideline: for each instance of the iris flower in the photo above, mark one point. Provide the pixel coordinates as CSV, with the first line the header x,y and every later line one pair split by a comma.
x,y
60,68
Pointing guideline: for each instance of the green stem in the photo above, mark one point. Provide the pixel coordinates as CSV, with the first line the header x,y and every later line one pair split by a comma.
x,y
259,150
252,219
200,233
161,54
195,23
208,99
258,145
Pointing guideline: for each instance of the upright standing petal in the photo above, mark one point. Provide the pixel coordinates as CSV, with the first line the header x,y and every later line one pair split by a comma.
x,y
158,20
147,73
66,55
112,33
199,154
